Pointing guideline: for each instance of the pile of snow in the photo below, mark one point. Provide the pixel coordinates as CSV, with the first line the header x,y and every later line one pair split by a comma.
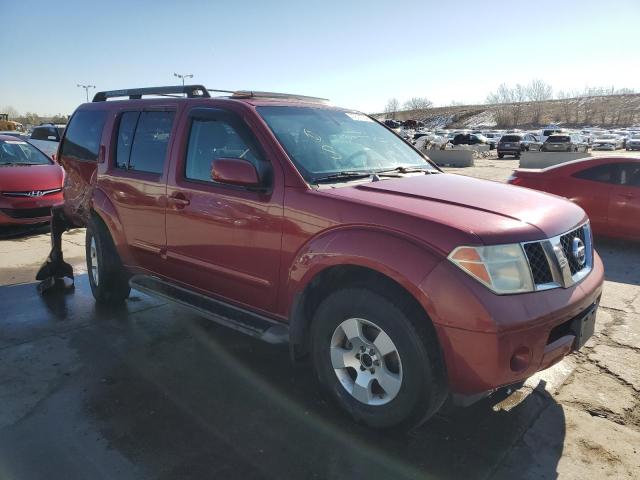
x,y
485,118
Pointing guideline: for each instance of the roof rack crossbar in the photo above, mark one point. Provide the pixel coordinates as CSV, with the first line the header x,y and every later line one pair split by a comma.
x,y
192,91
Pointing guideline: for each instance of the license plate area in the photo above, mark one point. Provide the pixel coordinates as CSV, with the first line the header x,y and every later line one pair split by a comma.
x,y
584,326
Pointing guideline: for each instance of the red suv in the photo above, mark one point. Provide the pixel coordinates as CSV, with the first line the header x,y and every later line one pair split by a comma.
x,y
295,221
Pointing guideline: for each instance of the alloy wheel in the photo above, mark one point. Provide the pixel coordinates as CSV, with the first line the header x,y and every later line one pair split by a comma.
x,y
366,361
95,269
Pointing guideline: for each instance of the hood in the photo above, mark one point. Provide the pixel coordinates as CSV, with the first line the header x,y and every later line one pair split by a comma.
x,y
494,212
24,178
605,140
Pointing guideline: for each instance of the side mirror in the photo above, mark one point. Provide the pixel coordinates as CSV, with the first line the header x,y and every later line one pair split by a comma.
x,y
235,171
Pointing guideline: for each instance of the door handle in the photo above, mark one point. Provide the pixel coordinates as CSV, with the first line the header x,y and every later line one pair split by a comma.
x,y
179,200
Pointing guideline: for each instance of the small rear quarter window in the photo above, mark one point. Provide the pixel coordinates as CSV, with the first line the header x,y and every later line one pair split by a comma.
x,y
82,138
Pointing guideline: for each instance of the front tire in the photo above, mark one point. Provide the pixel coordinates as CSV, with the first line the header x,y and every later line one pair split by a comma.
x,y
107,277
378,364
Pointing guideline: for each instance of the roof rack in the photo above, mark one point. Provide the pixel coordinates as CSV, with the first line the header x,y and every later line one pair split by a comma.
x,y
198,91
274,95
192,91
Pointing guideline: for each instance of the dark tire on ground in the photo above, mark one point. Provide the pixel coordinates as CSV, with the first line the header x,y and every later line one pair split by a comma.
x,y
422,388
501,155
108,278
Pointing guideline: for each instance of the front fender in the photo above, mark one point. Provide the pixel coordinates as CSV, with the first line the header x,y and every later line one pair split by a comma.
x,y
405,260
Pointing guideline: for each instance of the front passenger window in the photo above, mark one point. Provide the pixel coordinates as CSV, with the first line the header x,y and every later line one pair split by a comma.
x,y
215,138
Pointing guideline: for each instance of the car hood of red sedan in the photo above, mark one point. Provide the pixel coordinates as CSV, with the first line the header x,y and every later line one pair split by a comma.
x,y
24,178
495,212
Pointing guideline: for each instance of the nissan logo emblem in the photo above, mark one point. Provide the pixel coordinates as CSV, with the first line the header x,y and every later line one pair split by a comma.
x,y
579,252
35,193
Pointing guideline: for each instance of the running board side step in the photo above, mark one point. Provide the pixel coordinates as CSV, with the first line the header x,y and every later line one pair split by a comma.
x,y
244,321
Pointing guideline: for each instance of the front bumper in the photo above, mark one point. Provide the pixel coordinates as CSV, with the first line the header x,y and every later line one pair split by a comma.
x,y
28,211
489,341
604,147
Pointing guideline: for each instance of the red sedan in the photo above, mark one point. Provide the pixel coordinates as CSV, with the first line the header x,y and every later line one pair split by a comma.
x,y
607,188
30,183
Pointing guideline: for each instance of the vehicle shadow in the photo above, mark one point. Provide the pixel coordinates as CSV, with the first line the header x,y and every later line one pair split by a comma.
x,y
621,259
222,391
23,231
181,397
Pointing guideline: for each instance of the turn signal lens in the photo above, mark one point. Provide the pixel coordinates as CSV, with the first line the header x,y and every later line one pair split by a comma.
x,y
502,268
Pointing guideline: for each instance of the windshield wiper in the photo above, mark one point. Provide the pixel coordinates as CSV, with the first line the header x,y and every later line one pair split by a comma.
x,y
342,176
407,169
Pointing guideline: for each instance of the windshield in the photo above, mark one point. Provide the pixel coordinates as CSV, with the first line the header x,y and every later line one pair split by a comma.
x,y
610,137
322,141
16,152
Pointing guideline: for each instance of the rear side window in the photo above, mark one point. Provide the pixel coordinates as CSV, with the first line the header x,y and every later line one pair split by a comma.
x,y
602,173
143,138
210,139
82,140
630,174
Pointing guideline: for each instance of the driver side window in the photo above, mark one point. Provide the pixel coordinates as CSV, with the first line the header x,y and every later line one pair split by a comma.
x,y
210,139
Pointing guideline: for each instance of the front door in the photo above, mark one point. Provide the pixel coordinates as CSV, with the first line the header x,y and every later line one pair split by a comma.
x,y
223,240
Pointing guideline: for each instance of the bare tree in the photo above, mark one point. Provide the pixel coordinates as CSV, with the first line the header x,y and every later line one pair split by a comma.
x,y
418,103
500,99
538,92
518,97
392,107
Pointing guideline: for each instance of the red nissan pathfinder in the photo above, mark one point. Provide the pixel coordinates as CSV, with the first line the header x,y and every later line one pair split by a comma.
x,y
295,221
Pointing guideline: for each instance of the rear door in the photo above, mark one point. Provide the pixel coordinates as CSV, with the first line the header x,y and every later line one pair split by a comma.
x,y
624,207
136,181
224,240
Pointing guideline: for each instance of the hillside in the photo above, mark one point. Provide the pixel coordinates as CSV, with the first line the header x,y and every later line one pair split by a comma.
x,y
603,111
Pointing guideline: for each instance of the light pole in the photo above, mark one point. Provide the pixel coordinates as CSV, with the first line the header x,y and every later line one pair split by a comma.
x,y
183,76
86,89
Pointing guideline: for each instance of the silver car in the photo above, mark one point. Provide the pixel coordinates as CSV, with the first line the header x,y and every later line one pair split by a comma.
x,y
608,141
634,142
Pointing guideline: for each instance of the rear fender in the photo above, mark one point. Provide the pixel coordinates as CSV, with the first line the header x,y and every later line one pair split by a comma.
x,y
105,209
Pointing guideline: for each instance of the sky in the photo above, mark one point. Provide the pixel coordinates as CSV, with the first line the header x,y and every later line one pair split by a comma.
x,y
359,54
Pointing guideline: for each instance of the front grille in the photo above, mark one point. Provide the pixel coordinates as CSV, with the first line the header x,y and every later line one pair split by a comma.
x,y
566,241
32,193
27,212
538,263
553,263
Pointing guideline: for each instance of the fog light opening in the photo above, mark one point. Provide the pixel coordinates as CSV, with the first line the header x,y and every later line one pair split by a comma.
x,y
520,359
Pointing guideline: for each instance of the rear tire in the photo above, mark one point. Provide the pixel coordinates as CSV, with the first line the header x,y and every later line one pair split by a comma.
x,y
378,364
108,278
501,155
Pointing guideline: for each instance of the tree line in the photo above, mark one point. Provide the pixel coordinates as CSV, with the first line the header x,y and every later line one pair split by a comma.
x,y
517,105
31,118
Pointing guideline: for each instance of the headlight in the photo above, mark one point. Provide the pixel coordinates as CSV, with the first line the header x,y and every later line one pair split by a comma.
x,y
502,268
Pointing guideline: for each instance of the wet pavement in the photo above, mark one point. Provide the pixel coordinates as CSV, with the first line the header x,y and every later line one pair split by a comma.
x,y
150,390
